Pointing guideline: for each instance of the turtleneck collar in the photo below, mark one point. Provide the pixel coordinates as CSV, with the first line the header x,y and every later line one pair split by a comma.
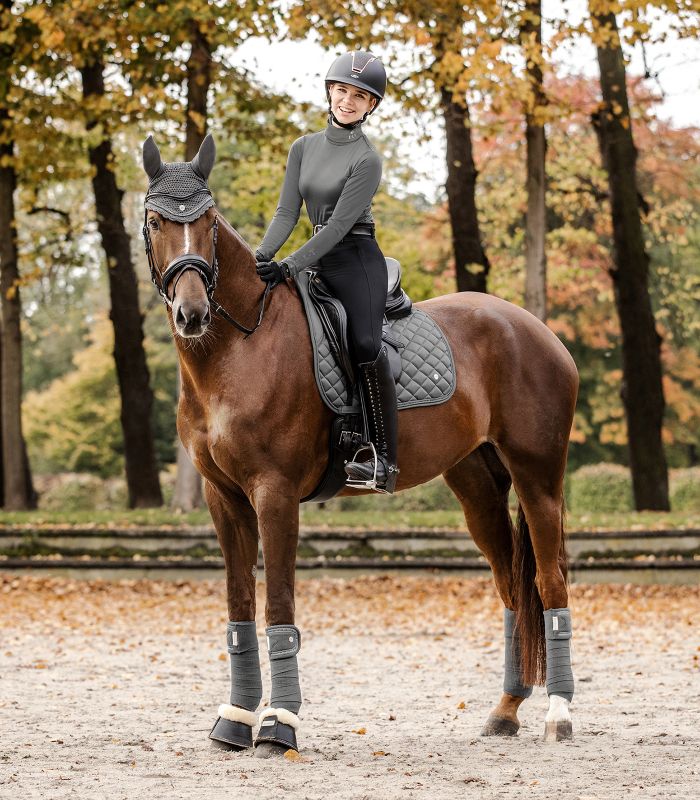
x,y
341,135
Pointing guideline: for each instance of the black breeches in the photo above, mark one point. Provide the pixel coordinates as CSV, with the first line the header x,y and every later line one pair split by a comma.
x,y
355,271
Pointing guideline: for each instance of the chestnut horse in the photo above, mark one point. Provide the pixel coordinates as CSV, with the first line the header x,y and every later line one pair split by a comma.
x,y
252,420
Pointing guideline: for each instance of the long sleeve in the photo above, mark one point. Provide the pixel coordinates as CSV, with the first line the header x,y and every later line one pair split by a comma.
x,y
356,197
288,208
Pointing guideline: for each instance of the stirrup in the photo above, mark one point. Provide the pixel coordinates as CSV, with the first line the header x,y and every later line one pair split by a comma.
x,y
352,483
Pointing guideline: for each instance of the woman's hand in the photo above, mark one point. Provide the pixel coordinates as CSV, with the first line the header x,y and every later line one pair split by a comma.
x,y
271,272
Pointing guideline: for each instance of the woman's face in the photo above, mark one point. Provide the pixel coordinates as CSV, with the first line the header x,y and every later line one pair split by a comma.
x,y
349,104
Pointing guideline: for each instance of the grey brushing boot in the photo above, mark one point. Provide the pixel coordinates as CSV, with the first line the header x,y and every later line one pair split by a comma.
x,y
379,394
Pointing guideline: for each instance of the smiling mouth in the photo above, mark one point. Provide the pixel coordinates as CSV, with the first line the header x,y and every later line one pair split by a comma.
x,y
345,111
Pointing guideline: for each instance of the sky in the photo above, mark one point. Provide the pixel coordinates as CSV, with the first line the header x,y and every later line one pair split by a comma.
x,y
298,68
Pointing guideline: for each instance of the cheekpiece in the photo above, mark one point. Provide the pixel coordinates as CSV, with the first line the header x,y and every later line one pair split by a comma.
x,y
178,193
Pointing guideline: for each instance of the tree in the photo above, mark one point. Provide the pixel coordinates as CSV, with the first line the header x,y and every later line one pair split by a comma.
x,y
17,490
142,481
188,484
535,221
642,389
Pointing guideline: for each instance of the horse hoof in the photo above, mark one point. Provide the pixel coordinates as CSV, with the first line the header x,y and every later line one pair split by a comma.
x,y
271,750
274,738
229,735
560,731
500,726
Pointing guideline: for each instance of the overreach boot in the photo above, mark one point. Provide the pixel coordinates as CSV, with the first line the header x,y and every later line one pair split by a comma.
x,y
379,395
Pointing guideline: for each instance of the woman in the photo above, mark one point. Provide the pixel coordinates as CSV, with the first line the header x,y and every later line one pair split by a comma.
x,y
336,172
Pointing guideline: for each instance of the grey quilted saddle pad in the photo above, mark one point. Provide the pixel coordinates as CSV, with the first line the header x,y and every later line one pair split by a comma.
x,y
427,367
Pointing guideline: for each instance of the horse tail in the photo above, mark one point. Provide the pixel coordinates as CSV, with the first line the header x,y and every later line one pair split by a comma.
x,y
529,619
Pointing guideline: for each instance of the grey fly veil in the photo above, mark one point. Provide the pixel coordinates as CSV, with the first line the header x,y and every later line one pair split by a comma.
x,y
179,191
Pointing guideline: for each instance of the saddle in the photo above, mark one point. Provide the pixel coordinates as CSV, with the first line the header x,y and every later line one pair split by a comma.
x,y
419,354
334,318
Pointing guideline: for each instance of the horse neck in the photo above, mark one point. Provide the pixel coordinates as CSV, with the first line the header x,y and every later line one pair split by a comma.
x,y
239,290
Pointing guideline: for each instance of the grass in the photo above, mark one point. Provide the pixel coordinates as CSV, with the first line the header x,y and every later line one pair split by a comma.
x,y
313,516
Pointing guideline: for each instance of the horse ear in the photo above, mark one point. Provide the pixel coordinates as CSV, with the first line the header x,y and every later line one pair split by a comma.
x,y
203,162
152,161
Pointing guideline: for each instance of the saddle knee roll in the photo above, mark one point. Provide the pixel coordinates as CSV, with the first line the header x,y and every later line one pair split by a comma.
x,y
246,679
283,642
557,628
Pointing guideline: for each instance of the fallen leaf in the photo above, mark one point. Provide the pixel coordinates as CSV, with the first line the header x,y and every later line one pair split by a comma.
x,y
380,753
292,755
461,705
361,731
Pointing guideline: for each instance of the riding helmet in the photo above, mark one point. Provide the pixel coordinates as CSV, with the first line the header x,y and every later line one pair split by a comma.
x,y
360,69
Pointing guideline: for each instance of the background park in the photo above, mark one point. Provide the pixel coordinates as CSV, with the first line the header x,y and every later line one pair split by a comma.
x,y
545,152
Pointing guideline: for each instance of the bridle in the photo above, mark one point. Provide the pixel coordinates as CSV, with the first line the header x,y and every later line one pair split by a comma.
x,y
209,273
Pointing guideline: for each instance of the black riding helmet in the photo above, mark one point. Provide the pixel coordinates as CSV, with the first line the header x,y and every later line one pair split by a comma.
x,y
360,69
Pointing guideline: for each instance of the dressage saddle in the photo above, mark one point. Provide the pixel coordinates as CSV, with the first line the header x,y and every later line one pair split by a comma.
x,y
334,318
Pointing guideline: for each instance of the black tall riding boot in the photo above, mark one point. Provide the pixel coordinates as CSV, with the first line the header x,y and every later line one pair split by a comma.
x,y
379,394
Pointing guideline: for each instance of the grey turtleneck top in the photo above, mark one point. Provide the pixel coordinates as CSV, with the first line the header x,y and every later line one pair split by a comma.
x,y
336,172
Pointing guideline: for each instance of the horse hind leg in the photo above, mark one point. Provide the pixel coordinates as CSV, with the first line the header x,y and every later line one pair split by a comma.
x,y
546,622
481,484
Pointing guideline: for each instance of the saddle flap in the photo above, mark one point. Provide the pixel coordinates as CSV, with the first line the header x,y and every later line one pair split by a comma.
x,y
334,320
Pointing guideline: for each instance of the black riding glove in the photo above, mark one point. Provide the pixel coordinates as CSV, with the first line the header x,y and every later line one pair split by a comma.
x,y
273,273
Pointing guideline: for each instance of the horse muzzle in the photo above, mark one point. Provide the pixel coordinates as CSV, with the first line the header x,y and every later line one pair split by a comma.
x,y
191,317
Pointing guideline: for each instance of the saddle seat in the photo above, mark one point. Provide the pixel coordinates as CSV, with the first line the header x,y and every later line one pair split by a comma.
x,y
335,320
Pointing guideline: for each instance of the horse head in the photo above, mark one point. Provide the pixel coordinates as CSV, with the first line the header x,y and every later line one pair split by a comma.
x,y
180,230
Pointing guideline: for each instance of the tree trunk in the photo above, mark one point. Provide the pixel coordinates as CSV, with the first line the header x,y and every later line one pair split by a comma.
x,y
188,483
18,493
132,371
471,263
642,389
536,219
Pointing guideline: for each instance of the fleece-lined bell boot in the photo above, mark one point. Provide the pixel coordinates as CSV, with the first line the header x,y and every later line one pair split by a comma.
x,y
379,394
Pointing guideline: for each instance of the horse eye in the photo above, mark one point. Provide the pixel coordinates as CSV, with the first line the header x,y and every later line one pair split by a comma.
x,y
153,222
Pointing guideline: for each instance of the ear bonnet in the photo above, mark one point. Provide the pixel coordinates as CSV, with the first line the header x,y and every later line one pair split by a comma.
x,y
179,191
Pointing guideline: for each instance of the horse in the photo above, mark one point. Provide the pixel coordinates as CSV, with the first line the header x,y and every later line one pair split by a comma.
x,y
253,423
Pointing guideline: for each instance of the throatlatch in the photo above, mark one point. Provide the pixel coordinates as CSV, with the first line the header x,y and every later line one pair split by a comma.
x,y
560,678
234,727
512,680
279,722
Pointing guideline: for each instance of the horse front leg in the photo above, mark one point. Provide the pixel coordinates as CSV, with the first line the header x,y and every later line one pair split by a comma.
x,y
237,531
277,506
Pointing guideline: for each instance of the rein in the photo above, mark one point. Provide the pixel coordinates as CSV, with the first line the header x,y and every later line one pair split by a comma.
x,y
209,273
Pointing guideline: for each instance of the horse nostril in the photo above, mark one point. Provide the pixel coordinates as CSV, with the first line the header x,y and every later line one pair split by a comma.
x,y
206,317
180,318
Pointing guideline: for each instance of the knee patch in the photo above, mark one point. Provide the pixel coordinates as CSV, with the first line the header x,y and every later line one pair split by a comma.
x,y
557,628
283,642
512,679
246,680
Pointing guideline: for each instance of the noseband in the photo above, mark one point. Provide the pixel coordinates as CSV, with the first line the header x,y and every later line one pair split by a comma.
x,y
209,273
